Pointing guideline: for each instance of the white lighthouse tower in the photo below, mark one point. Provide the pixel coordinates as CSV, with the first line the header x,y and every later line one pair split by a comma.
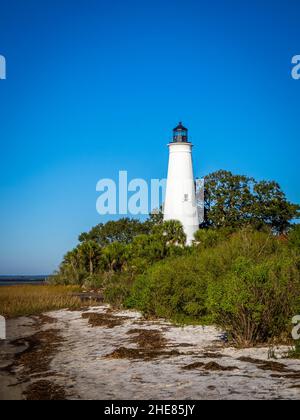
x,y
180,202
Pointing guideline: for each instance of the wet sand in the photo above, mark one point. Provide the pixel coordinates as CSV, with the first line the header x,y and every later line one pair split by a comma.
x,y
104,354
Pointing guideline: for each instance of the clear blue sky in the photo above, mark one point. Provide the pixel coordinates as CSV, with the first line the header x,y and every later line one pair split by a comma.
x,y
96,86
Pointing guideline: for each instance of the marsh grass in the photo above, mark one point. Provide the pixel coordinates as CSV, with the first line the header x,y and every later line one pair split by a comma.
x,y
33,300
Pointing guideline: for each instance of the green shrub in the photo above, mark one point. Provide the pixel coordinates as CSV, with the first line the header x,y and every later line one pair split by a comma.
x,y
255,302
94,281
294,353
294,237
248,284
174,288
207,238
118,288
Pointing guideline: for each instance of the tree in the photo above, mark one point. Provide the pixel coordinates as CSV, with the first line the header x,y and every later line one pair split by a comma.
x,y
122,231
156,217
271,208
90,254
150,247
115,256
71,270
238,200
172,232
167,239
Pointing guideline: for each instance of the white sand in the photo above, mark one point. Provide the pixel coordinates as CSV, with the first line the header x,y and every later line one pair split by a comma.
x,y
85,373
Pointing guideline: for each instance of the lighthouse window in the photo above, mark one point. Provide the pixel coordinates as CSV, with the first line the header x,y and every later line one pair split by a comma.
x,y
186,197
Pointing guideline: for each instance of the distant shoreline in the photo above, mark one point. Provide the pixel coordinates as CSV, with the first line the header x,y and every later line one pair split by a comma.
x,y
22,280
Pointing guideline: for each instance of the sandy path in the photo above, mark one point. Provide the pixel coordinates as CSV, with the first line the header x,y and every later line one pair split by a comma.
x,y
109,355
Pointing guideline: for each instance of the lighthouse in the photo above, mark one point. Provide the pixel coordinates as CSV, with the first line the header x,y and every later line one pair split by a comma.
x,y
180,202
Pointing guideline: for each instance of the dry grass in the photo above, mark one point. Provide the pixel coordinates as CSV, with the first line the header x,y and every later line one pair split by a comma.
x,y
103,320
32,300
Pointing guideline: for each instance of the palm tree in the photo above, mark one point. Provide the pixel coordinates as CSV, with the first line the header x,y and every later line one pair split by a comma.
x,y
114,256
90,253
173,232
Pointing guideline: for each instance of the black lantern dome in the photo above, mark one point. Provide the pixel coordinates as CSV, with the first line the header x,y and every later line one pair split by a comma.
x,y
180,134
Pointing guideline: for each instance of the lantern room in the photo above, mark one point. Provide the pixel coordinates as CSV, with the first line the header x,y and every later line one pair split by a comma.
x,y
180,134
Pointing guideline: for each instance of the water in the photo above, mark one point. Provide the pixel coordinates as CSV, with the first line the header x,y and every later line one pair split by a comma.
x,y
21,280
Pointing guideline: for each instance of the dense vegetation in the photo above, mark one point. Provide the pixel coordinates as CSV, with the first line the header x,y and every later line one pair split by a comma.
x,y
242,273
247,282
